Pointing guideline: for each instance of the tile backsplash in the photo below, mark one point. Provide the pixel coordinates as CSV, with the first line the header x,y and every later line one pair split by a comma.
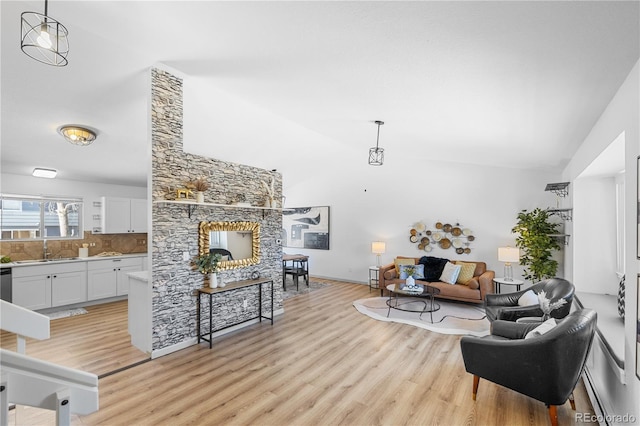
x,y
122,243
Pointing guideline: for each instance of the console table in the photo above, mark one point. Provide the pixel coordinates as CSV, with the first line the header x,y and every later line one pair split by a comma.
x,y
231,286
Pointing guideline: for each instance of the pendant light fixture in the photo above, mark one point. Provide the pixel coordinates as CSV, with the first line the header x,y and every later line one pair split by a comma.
x,y
376,155
43,38
77,135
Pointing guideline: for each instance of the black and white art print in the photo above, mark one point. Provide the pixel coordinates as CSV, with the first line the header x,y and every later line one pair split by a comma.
x,y
306,227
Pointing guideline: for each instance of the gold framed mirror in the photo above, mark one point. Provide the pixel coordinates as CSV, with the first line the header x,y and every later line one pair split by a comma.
x,y
237,242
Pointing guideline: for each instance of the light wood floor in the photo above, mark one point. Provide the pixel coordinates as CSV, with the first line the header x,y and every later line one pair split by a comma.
x,y
97,342
321,363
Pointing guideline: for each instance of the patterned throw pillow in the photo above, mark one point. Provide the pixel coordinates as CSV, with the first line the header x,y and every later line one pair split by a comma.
x,y
418,271
466,272
402,261
621,298
450,273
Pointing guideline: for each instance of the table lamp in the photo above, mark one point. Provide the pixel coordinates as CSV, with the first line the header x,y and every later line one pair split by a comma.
x,y
508,255
378,248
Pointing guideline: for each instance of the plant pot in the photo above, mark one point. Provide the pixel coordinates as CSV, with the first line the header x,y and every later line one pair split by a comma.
x,y
213,280
199,197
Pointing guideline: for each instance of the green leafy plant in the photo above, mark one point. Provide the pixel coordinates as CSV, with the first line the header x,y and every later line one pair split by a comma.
x,y
208,263
537,244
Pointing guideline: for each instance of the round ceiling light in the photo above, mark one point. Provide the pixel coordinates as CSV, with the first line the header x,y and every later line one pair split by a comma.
x,y
78,135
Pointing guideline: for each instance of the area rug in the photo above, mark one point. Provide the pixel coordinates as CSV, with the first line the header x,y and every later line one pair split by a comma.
x,y
66,313
303,289
451,318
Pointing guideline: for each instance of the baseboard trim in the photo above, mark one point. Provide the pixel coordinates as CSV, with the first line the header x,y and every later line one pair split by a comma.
x,y
194,340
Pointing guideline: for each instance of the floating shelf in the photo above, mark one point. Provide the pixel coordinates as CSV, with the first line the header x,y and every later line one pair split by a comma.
x,y
193,205
561,189
565,214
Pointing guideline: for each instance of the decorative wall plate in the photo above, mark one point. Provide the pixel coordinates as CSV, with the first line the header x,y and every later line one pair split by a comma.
x,y
456,232
466,231
447,227
445,243
459,250
437,236
471,238
438,225
413,239
457,242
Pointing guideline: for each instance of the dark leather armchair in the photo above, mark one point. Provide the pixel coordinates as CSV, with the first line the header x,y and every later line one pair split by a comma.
x,y
546,367
505,306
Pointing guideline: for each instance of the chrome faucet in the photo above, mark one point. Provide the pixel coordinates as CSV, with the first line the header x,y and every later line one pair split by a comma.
x,y
44,249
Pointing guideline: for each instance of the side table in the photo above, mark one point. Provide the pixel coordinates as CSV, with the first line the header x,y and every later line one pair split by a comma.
x,y
374,278
206,291
499,281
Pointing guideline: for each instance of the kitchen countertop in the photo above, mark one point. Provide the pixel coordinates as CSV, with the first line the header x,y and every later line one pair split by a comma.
x,y
140,275
75,259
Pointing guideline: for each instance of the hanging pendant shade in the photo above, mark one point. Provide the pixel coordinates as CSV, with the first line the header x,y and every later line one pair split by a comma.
x,y
376,155
44,39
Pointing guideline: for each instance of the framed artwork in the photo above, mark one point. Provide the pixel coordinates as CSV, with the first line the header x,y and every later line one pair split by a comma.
x,y
306,227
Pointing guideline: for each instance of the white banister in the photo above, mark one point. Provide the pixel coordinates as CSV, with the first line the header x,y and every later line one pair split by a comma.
x,y
36,383
24,323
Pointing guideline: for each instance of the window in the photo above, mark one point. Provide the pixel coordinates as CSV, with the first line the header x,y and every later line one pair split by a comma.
x,y
24,217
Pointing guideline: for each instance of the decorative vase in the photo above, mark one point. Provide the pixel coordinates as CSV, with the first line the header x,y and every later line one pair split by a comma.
x,y
410,281
199,197
213,280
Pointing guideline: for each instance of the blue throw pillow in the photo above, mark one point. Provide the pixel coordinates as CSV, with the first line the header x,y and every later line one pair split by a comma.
x,y
418,271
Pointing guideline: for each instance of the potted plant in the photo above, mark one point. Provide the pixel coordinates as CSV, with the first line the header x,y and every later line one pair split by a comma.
x,y
199,185
209,263
536,242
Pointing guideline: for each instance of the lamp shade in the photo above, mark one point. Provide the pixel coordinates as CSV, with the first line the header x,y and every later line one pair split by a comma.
x,y
508,254
378,247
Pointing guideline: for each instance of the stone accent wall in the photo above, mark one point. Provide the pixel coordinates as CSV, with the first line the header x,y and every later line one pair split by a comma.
x,y
175,231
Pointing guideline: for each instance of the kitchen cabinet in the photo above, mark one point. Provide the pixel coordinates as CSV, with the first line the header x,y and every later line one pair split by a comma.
x,y
45,286
123,215
108,278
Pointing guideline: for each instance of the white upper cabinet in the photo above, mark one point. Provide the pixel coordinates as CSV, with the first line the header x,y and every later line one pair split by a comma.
x,y
123,215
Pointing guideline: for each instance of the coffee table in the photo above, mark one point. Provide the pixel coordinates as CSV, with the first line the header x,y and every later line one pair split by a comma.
x,y
424,294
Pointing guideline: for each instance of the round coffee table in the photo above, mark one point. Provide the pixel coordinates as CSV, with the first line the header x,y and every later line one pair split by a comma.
x,y
424,294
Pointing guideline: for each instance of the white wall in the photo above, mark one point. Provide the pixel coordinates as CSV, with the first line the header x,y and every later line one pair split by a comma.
x,y
594,235
621,116
382,203
88,191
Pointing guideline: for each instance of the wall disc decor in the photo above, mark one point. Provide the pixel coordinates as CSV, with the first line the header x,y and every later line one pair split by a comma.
x,y
443,236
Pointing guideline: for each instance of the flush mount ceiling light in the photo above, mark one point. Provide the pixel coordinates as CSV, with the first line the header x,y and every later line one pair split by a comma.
x,y
376,155
78,135
44,173
43,38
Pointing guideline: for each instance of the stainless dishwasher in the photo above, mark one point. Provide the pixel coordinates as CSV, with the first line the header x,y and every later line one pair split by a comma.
x,y
5,284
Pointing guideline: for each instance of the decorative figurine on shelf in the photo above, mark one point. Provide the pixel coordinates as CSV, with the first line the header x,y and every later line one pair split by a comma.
x,y
271,202
209,263
184,194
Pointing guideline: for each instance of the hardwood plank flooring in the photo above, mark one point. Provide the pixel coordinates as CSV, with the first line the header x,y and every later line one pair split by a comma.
x,y
321,363
97,342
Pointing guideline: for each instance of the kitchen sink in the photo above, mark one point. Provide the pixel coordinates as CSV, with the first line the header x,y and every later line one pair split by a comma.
x,y
57,259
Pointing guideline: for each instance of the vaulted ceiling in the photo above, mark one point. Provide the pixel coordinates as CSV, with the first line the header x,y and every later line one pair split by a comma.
x,y
509,84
